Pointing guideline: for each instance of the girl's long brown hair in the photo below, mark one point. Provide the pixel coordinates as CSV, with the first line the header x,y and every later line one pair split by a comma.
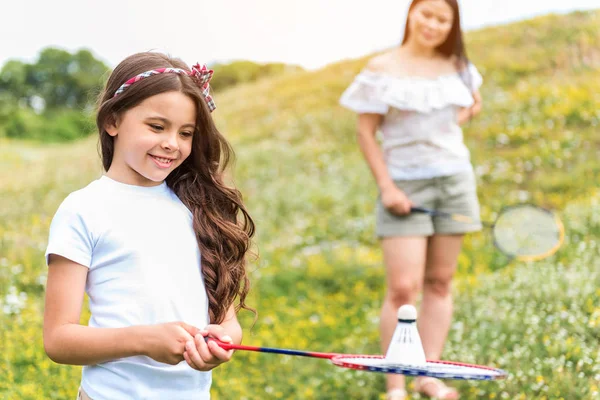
x,y
222,225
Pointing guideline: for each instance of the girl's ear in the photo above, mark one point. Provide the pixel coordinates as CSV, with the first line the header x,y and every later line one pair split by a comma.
x,y
111,125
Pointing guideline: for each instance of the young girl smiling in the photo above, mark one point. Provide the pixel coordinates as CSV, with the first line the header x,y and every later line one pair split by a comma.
x,y
158,242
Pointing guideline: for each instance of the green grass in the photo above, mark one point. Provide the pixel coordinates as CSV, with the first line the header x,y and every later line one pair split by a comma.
x,y
319,281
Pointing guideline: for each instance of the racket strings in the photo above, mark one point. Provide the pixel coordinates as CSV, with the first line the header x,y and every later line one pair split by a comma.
x,y
525,230
439,369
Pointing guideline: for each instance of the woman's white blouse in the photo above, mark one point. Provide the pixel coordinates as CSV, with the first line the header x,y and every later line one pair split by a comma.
x,y
421,137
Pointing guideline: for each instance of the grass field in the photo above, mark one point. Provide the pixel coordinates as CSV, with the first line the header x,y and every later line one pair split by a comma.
x,y
318,283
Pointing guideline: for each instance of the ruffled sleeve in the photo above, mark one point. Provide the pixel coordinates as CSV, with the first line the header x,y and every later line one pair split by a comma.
x,y
476,78
371,92
364,95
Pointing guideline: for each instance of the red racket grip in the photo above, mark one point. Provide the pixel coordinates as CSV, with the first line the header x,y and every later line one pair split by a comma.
x,y
223,345
289,352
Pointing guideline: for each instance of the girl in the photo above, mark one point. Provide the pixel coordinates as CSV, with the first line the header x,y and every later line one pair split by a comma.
x,y
155,243
418,95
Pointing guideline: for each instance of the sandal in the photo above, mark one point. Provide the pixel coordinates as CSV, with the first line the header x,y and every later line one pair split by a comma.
x,y
426,385
396,394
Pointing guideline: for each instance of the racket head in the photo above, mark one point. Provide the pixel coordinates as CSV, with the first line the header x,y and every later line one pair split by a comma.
x,y
435,369
528,232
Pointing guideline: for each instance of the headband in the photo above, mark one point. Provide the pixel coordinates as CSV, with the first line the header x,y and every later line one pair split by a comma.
x,y
199,73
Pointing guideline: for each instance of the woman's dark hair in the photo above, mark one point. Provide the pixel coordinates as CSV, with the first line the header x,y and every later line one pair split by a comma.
x,y
221,223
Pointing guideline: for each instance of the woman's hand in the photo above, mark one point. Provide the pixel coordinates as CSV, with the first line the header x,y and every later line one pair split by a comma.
x,y
464,115
395,200
205,355
468,113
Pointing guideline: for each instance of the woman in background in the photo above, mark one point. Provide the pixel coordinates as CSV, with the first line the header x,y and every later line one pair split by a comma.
x,y
418,95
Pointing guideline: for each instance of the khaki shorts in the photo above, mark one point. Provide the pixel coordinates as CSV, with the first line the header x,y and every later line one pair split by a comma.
x,y
452,194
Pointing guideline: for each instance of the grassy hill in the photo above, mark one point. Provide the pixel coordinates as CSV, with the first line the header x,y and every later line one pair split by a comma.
x,y
318,283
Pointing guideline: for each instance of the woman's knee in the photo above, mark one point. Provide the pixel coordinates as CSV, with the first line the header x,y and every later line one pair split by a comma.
x,y
440,285
403,291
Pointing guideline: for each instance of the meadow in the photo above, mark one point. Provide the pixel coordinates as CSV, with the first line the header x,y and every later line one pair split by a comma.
x,y
318,281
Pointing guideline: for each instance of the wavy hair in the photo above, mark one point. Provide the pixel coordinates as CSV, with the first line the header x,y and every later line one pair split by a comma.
x,y
221,223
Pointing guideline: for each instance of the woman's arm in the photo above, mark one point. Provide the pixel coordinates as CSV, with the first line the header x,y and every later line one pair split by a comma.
x,y
392,198
68,342
476,107
466,114
367,129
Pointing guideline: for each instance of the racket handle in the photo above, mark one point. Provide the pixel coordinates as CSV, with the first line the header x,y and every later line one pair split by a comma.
x,y
223,345
424,210
435,213
288,352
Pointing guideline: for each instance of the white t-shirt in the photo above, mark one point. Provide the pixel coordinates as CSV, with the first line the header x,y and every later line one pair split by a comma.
x,y
144,268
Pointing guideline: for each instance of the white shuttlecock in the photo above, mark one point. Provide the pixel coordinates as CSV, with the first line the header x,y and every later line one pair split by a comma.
x,y
406,346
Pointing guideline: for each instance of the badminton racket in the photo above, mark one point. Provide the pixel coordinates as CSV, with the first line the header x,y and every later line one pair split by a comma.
x,y
523,231
375,363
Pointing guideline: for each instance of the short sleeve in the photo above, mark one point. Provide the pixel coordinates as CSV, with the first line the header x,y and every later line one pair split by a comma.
x,y
364,96
70,236
475,77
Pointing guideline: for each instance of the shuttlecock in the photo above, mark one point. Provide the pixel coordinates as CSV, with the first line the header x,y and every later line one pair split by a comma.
x,y
406,346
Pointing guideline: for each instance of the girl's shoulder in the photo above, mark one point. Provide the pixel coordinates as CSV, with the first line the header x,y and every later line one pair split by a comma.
x,y
84,201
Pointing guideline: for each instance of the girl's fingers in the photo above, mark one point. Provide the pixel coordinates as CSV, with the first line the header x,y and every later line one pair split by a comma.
x,y
192,330
203,350
188,360
216,354
220,353
195,354
216,331
194,365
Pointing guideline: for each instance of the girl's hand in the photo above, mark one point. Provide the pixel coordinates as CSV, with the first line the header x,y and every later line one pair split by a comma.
x,y
166,342
395,200
203,355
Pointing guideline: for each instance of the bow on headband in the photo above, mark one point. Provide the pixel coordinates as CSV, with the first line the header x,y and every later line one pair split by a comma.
x,y
202,75
199,73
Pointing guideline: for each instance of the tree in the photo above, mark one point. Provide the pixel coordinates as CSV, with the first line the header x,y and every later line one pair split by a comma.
x,y
65,80
51,98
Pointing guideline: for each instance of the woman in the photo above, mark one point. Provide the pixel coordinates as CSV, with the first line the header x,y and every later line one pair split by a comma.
x,y
418,95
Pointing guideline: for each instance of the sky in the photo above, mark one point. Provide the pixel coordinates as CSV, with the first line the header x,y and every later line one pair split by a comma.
x,y
310,33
